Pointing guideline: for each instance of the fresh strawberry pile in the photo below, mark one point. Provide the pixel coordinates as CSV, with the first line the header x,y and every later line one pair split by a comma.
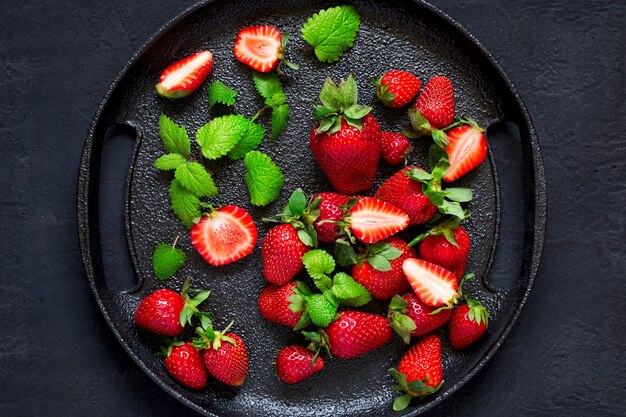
x,y
328,255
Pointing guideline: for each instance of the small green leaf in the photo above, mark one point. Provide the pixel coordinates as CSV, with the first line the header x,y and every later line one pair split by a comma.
x,y
379,262
349,93
452,208
348,291
173,136
250,140
263,178
185,204
221,134
440,138
169,161
194,177
267,84
321,310
280,115
297,203
276,99
419,175
461,195
357,111
421,126
306,238
344,253
220,93
436,154
318,263
332,31
166,260
402,402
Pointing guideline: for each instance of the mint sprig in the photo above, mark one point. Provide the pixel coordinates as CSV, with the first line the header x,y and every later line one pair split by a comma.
x,y
174,137
195,178
185,204
221,134
332,31
220,93
269,87
167,260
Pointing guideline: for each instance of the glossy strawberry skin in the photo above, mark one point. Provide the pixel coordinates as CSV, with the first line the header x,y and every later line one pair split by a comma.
x,y
282,252
423,360
274,304
185,365
385,284
259,47
420,314
396,147
229,364
407,195
349,158
463,331
356,333
403,85
294,364
436,102
467,149
330,209
159,313
438,250
172,85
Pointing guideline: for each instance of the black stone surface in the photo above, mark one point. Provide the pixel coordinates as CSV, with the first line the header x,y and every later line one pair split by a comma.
x,y
565,356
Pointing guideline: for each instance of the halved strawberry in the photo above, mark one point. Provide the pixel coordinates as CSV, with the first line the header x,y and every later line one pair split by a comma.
x,y
434,285
185,76
259,47
225,235
467,148
372,220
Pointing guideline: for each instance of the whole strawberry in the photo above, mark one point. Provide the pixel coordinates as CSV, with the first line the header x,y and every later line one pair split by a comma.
x,y
274,304
435,106
353,334
225,354
406,194
184,363
410,317
380,269
346,143
397,88
419,373
282,252
330,211
446,246
294,364
467,324
396,147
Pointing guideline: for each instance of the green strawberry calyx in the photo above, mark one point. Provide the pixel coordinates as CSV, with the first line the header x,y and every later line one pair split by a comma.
x,y
319,340
208,338
477,313
339,102
443,227
166,350
402,324
301,214
190,309
415,389
385,96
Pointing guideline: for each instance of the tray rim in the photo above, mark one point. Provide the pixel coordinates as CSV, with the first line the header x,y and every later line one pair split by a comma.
x,y
539,202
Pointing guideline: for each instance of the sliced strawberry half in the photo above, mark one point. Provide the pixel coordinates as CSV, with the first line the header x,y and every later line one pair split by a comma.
x,y
225,235
259,47
434,285
372,220
466,150
185,76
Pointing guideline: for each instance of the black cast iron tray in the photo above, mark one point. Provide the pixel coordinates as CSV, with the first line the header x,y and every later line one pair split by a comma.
x,y
507,225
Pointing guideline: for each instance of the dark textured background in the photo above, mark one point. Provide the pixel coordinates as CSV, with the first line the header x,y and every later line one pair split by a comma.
x,y
567,354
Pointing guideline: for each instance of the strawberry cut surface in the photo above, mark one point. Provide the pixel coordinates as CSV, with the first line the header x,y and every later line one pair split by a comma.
x,y
467,149
434,285
259,47
185,76
225,235
373,220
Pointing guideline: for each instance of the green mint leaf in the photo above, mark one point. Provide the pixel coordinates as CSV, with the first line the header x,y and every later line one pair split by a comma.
x,y
174,137
185,204
276,99
321,310
461,195
250,140
166,260
194,177
280,115
221,135
220,93
267,85
379,262
348,291
297,203
318,263
263,178
169,161
332,31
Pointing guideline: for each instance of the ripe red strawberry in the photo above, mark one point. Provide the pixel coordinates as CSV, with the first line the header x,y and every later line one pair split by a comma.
x,y
227,359
346,143
384,284
184,363
397,88
159,313
467,149
437,249
295,364
224,235
396,147
259,47
468,323
419,372
330,211
185,76
282,252
434,285
274,304
372,220
436,102
406,194
356,333
410,317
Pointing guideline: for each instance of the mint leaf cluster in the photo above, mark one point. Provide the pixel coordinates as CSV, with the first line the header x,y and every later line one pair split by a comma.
x,y
269,87
332,31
